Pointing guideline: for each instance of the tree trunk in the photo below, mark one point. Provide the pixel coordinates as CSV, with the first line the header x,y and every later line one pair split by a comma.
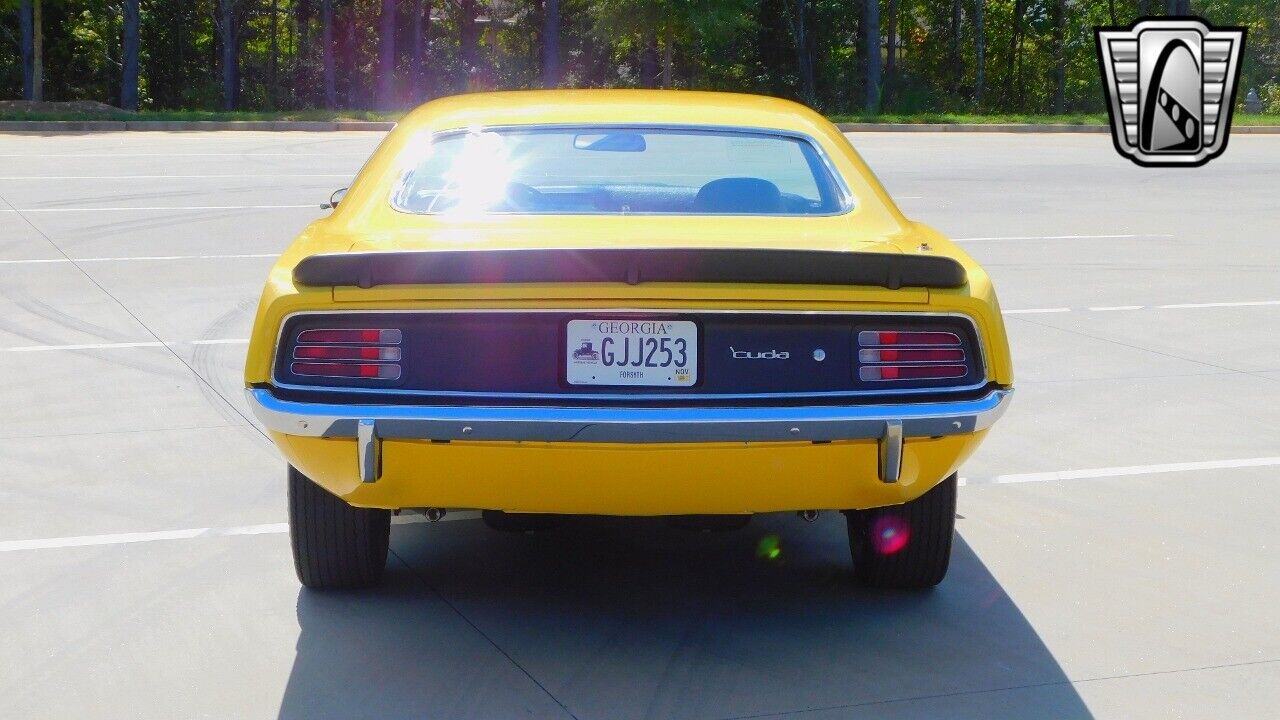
x,y
302,55
668,59
129,56
871,20
273,62
326,39
37,50
804,55
27,29
1014,77
1059,57
418,61
891,62
387,57
957,67
649,60
467,36
354,83
980,53
230,56
550,43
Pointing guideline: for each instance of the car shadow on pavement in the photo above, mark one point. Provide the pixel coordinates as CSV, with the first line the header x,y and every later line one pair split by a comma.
x,y
631,618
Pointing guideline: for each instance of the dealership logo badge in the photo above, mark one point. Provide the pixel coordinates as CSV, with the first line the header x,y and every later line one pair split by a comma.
x,y
1171,87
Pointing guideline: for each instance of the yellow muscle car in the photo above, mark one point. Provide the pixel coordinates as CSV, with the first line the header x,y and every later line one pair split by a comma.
x,y
624,303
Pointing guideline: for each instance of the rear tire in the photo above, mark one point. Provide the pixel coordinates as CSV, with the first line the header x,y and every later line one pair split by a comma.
x,y
904,547
335,545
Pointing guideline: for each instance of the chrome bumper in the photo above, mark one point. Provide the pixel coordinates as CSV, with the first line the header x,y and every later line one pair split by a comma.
x,y
368,424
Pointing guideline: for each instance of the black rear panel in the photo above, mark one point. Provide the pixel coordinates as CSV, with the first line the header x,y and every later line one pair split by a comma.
x,y
517,357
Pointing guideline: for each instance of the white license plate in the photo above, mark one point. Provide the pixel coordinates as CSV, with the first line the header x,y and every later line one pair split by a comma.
x,y
632,352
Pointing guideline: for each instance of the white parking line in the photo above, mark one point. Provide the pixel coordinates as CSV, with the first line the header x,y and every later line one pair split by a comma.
x,y
1123,471
125,345
409,519
174,177
1061,237
192,533
1113,308
249,154
158,208
142,258
1247,303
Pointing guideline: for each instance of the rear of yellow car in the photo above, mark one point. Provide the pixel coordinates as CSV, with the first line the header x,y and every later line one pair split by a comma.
x,y
537,304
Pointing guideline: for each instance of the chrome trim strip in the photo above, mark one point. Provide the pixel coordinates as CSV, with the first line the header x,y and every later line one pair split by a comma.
x,y
982,356
849,200
626,425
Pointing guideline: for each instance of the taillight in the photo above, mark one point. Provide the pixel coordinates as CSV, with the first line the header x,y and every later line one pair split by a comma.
x,y
369,336
888,355
369,371
883,355
895,337
326,352
362,353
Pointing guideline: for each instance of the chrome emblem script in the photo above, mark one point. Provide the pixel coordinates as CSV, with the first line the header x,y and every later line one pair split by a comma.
x,y
759,355
1171,87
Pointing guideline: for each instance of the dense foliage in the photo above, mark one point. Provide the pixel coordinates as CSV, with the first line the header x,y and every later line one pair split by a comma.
x,y
934,55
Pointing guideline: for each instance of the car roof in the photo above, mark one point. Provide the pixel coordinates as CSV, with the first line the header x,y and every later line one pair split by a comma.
x,y
641,107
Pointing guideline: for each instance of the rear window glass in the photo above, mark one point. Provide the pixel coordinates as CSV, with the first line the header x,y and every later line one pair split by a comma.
x,y
610,170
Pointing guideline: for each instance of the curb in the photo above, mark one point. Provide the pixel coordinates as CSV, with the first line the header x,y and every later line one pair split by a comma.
x,y
974,127
63,126
1019,128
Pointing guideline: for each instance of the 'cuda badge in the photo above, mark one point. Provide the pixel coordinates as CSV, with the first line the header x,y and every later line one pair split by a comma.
x,y
759,355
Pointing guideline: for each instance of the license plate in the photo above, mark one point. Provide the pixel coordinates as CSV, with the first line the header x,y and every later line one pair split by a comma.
x,y
632,352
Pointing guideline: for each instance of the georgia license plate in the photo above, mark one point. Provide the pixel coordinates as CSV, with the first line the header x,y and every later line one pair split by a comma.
x,y
632,352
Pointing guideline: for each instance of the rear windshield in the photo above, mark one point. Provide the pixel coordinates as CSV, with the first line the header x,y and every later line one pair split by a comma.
x,y
620,171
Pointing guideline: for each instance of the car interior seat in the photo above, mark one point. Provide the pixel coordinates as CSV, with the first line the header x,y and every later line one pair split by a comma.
x,y
738,195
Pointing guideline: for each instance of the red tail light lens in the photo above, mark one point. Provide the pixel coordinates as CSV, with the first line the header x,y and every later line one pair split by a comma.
x,y
358,353
911,372
882,355
895,337
366,336
904,355
370,371
345,352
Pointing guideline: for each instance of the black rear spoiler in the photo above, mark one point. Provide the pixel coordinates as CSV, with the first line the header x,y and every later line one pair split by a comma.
x,y
680,265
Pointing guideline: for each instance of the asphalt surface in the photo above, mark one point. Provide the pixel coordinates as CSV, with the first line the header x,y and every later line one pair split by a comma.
x,y
1117,550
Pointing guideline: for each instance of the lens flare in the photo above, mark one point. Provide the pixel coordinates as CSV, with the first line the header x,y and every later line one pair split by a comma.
x,y
478,177
769,548
890,534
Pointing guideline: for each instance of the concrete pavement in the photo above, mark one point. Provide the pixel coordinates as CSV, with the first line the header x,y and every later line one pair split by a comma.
x,y
1115,555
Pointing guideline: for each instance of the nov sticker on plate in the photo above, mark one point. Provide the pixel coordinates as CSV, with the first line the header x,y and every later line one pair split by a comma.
x,y
632,352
